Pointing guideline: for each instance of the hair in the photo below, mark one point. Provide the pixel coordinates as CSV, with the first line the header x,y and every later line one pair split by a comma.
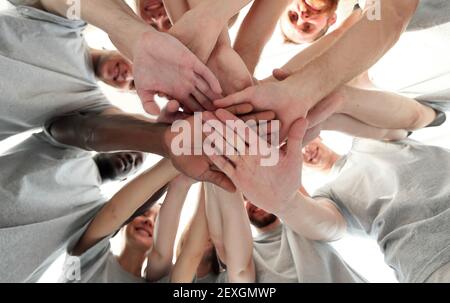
x,y
105,168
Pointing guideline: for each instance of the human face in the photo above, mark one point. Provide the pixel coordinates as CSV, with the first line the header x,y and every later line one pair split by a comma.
x,y
259,217
115,70
318,156
304,21
139,233
119,166
154,14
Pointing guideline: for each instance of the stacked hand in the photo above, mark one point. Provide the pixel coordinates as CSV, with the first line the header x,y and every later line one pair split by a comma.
x,y
269,187
162,64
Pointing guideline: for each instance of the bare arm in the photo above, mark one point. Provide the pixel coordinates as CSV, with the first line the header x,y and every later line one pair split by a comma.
x,y
114,17
384,109
112,130
230,231
151,53
316,49
257,29
160,258
353,127
112,216
196,239
358,49
315,219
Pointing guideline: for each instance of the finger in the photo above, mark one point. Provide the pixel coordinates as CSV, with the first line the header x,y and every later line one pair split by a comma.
x,y
281,74
238,98
223,165
192,105
203,100
202,86
205,73
173,106
312,134
223,148
261,116
232,145
245,132
240,109
148,102
295,138
220,179
266,129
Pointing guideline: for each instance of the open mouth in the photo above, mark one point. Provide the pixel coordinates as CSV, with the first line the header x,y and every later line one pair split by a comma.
x,y
125,163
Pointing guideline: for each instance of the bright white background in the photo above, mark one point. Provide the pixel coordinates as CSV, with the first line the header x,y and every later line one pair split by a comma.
x,y
362,254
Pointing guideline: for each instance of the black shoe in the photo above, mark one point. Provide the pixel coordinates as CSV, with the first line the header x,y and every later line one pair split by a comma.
x,y
441,117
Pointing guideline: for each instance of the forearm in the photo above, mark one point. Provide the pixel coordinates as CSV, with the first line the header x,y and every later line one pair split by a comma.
x,y
115,17
385,109
237,238
215,220
160,258
316,49
257,29
194,245
125,203
109,132
317,220
176,9
353,127
358,49
222,11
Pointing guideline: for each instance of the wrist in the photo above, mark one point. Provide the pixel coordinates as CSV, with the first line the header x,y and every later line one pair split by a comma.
x,y
288,205
155,142
293,96
130,38
166,141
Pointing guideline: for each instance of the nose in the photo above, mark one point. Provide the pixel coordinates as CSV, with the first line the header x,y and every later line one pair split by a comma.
x,y
149,222
305,15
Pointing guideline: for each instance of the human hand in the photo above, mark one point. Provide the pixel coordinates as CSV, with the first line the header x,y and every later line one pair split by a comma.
x,y
164,65
188,157
229,69
268,187
182,182
272,96
171,112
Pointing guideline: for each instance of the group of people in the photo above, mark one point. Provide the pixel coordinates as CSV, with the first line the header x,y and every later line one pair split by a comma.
x,y
388,187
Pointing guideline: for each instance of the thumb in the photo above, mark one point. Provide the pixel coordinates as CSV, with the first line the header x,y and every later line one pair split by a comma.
x,y
295,138
237,98
148,102
281,74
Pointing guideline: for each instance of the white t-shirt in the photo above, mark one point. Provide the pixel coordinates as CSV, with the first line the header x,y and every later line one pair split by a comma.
x,y
46,69
398,194
282,256
48,194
